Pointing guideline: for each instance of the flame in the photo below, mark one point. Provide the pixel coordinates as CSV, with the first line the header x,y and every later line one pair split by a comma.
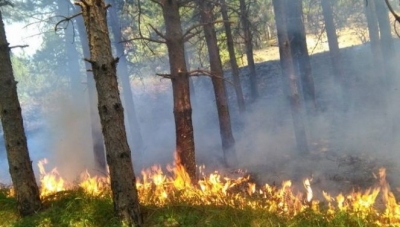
x,y
159,187
50,182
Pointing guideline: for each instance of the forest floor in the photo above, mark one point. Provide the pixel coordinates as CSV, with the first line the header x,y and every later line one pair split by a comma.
x,y
344,161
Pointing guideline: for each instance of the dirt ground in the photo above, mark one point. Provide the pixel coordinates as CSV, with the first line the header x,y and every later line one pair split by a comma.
x,y
344,164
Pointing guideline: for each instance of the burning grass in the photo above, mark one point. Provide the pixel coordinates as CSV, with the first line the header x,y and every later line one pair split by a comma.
x,y
168,199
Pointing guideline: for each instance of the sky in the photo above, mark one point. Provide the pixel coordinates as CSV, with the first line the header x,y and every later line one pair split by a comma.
x,y
22,34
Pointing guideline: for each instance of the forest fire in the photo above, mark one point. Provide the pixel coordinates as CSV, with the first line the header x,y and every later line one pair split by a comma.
x,y
160,188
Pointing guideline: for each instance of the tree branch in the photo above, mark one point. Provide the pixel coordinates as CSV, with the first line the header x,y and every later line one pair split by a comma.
x,y
143,38
168,76
189,33
157,32
201,72
66,19
19,46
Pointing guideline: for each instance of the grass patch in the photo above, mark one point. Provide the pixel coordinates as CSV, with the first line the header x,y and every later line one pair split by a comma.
x,y
75,208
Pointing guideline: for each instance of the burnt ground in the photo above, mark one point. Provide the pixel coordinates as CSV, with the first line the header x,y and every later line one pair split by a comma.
x,y
346,148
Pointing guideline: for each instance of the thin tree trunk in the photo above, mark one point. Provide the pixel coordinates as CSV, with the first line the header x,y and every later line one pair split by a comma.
x,y
111,111
385,28
19,162
185,150
97,136
133,124
191,84
334,53
228,142
289,78
373,31
386,40
248,40
298,44
332,41
232,58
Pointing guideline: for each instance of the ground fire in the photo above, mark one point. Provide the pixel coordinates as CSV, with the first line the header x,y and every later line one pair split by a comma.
x,y
158,187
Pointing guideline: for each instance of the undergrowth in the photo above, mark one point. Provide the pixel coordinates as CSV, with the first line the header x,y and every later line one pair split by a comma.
x,y
75,208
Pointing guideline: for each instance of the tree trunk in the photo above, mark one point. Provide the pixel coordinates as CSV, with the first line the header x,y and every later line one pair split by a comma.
x,y
373,31
97,136
228,142
248,40
332,41
133,124
20,166
386,40
385,28
289,78
111,111
185,150
298,44
232,58
192,91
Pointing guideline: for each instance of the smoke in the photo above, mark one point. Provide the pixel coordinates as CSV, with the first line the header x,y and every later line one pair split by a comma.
x,y
354,142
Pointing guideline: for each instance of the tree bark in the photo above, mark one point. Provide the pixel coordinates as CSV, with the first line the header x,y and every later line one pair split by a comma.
x,y
386,39
248,40
373,31
385,28
185,150
133,124
289,78
111,111
192,90
217,78
20,166
97,136
332,41
298,44
232,58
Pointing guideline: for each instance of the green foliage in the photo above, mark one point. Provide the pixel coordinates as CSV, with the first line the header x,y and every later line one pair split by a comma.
x,y
75,208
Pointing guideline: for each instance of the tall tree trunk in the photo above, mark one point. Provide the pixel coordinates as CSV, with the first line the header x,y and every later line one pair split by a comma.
x,y
332,41
111,111
97,136
185,150
373,31
133,124
385,28
228,142
232,58
289,78
298,44
19,162
386,40
248,40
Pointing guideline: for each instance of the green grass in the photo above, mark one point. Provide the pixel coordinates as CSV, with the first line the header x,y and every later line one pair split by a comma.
x,y
75,208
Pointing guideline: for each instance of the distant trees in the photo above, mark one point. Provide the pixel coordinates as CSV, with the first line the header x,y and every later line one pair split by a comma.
x,y
123,183
248,40
232,57
20,166
133,124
